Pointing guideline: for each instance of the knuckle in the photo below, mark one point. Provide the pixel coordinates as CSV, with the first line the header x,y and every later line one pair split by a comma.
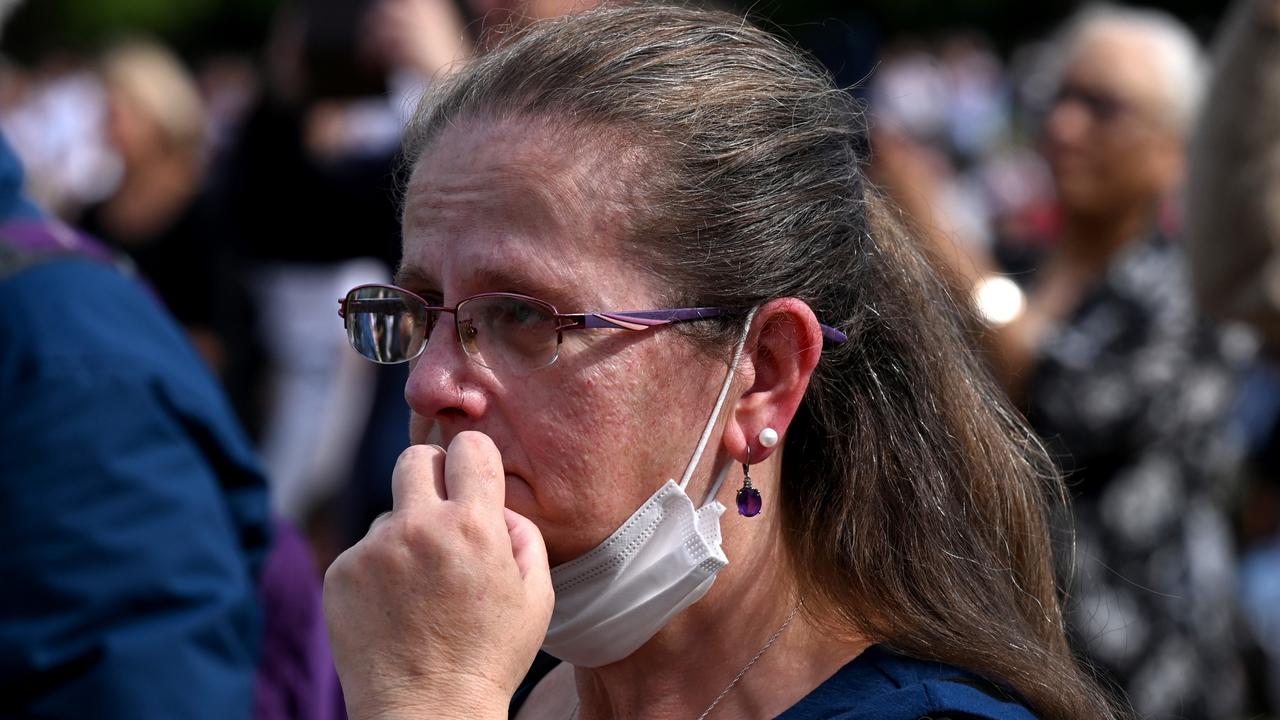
x,y
472,527
418,534
378,522
336,573
472,440
416,455
343,573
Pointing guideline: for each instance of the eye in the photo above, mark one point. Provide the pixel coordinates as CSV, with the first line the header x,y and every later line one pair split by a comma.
x,y
524,313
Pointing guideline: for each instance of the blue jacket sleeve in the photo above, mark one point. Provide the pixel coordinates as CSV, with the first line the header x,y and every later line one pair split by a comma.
x,y
133,515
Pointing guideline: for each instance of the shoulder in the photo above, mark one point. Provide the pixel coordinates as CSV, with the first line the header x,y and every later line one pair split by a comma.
x,y
72,321
92,363
882,685
134,513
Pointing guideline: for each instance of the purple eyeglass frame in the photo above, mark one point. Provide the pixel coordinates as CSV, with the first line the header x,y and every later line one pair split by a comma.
x,y
635,320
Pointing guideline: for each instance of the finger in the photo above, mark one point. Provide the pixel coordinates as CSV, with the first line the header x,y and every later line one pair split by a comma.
x,y
418,477
474,472
527,545
530,553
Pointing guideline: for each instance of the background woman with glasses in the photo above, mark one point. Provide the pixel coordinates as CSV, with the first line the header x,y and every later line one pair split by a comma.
x,y
1114,365
644,279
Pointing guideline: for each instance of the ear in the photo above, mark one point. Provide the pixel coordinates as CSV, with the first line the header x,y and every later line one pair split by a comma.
x,y
1170,160
783,349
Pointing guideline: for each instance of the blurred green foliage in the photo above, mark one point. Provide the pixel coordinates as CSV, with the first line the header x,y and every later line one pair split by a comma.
x,y
194,27
159,16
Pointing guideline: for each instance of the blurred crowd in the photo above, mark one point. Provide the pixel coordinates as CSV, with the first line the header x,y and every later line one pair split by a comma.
x,y
251,193
1049,180
1054,187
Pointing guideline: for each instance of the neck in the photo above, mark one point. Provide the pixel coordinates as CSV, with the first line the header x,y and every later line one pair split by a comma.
x,y
1090,241
163,168
151,194
690,662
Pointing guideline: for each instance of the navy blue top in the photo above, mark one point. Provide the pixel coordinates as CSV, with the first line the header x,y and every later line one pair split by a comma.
x,y
133,513
882,685
877,685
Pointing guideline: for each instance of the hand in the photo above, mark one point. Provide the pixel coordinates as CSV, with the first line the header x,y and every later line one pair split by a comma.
x,y
440,609
425,35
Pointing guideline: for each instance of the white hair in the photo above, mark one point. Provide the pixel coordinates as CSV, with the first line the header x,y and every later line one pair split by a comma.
x,y
1179,53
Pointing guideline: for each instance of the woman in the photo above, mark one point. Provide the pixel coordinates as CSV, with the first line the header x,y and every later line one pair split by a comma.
x,y
156,123
1115,367
639,158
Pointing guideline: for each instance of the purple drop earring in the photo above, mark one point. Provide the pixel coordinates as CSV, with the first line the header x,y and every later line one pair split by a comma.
x,y
749,500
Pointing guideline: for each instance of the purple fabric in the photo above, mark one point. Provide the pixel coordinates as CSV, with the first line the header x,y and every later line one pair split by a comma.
x,y
46,236
296,678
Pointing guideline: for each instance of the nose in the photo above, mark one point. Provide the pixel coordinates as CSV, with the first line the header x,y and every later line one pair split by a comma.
x,y
442,385
1067,124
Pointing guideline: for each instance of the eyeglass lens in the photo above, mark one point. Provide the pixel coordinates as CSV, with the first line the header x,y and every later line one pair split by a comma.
x,y
508,333
1100,105
388,325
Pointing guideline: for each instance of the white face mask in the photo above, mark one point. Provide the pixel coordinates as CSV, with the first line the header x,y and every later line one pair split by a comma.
x,y
663,559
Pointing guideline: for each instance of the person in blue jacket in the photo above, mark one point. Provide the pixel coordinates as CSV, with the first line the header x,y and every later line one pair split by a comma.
x,y
133,514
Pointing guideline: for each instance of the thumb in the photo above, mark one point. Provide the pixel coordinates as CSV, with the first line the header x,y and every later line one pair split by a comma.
x,y
529,551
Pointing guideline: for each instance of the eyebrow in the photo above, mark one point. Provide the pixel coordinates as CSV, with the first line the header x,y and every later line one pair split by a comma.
x,y
494,279
411,278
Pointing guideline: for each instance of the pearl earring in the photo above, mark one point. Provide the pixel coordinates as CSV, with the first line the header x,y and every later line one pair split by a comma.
x,y
768,437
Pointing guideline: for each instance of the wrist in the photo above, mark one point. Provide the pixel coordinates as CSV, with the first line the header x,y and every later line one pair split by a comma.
x,y
435,711
441,703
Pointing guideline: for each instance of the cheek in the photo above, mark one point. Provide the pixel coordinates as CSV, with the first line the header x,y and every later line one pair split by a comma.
x,y
584,443
599,450
1125,171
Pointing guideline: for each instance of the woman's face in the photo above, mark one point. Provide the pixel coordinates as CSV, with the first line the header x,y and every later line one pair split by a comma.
x,y
1108,138
133,133
518,207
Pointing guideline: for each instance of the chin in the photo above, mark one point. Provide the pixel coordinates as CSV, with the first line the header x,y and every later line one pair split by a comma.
x,y
519,497
1075,195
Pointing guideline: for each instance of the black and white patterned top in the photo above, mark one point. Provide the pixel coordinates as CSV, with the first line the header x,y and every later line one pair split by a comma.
x,y
1131,395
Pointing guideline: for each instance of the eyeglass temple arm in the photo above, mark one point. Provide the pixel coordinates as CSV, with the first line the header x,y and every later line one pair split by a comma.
x,y
637,319
645,319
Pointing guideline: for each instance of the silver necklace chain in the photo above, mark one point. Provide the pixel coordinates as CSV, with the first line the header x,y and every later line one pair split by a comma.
x,y
736,678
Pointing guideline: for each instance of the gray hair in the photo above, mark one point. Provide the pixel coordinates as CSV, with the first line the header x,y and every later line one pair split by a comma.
x,y
1180,55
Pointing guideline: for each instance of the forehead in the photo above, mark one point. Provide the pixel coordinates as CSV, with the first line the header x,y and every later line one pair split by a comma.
x,y
526,202
1120,61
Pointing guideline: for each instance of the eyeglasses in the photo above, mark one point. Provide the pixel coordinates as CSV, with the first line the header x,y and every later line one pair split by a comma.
x,y
500,331
1101,106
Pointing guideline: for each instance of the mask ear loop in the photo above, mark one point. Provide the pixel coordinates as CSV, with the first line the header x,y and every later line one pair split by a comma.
x,y
715,486
715,415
